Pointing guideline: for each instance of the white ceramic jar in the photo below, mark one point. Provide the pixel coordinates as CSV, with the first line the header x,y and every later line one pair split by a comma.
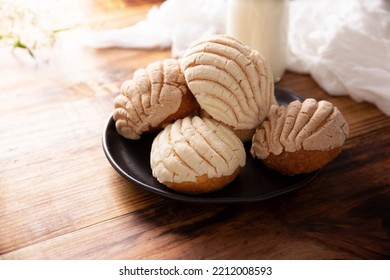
x,y
262,25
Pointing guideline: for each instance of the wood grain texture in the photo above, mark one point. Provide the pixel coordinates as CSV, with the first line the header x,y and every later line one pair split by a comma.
x,y
61,199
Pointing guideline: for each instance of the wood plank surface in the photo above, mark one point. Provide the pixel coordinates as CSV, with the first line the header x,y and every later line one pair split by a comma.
x,y
61,199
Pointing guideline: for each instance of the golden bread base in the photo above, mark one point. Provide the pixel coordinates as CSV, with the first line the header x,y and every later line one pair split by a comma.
x,y
301,161
203,184
188,106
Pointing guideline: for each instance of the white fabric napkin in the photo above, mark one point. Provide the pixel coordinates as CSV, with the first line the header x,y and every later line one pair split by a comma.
x,y
344,45
175,23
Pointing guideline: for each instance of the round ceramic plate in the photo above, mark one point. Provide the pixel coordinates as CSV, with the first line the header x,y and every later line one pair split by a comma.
x,y
131,159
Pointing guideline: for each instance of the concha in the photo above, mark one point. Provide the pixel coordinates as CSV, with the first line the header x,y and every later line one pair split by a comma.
x,y
154,97
196,155
230,81
300,138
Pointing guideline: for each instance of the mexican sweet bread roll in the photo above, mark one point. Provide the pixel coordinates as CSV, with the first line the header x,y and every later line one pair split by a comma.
x,y
300,138
231,82
196,155
154,97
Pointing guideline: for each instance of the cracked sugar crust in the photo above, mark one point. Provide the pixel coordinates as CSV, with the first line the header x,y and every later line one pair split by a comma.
x,y
308,134
155,96
231,82
196,155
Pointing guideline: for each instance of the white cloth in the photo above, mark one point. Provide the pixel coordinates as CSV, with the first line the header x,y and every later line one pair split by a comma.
x,y
176,24
344,45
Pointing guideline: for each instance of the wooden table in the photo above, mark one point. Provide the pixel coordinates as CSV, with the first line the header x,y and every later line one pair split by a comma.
x,y
61,199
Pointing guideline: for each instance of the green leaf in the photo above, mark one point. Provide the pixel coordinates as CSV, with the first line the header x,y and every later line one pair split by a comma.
x,y
19,44
55,31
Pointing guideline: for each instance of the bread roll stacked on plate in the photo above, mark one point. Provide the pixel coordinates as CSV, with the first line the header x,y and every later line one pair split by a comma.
x,y
232,83
300,138
153,98
196,155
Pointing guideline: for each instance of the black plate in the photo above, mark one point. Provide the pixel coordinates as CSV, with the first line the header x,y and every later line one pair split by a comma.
x,y
131,159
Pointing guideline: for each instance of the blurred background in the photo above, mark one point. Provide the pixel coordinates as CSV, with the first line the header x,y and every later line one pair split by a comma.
x,y
344,45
